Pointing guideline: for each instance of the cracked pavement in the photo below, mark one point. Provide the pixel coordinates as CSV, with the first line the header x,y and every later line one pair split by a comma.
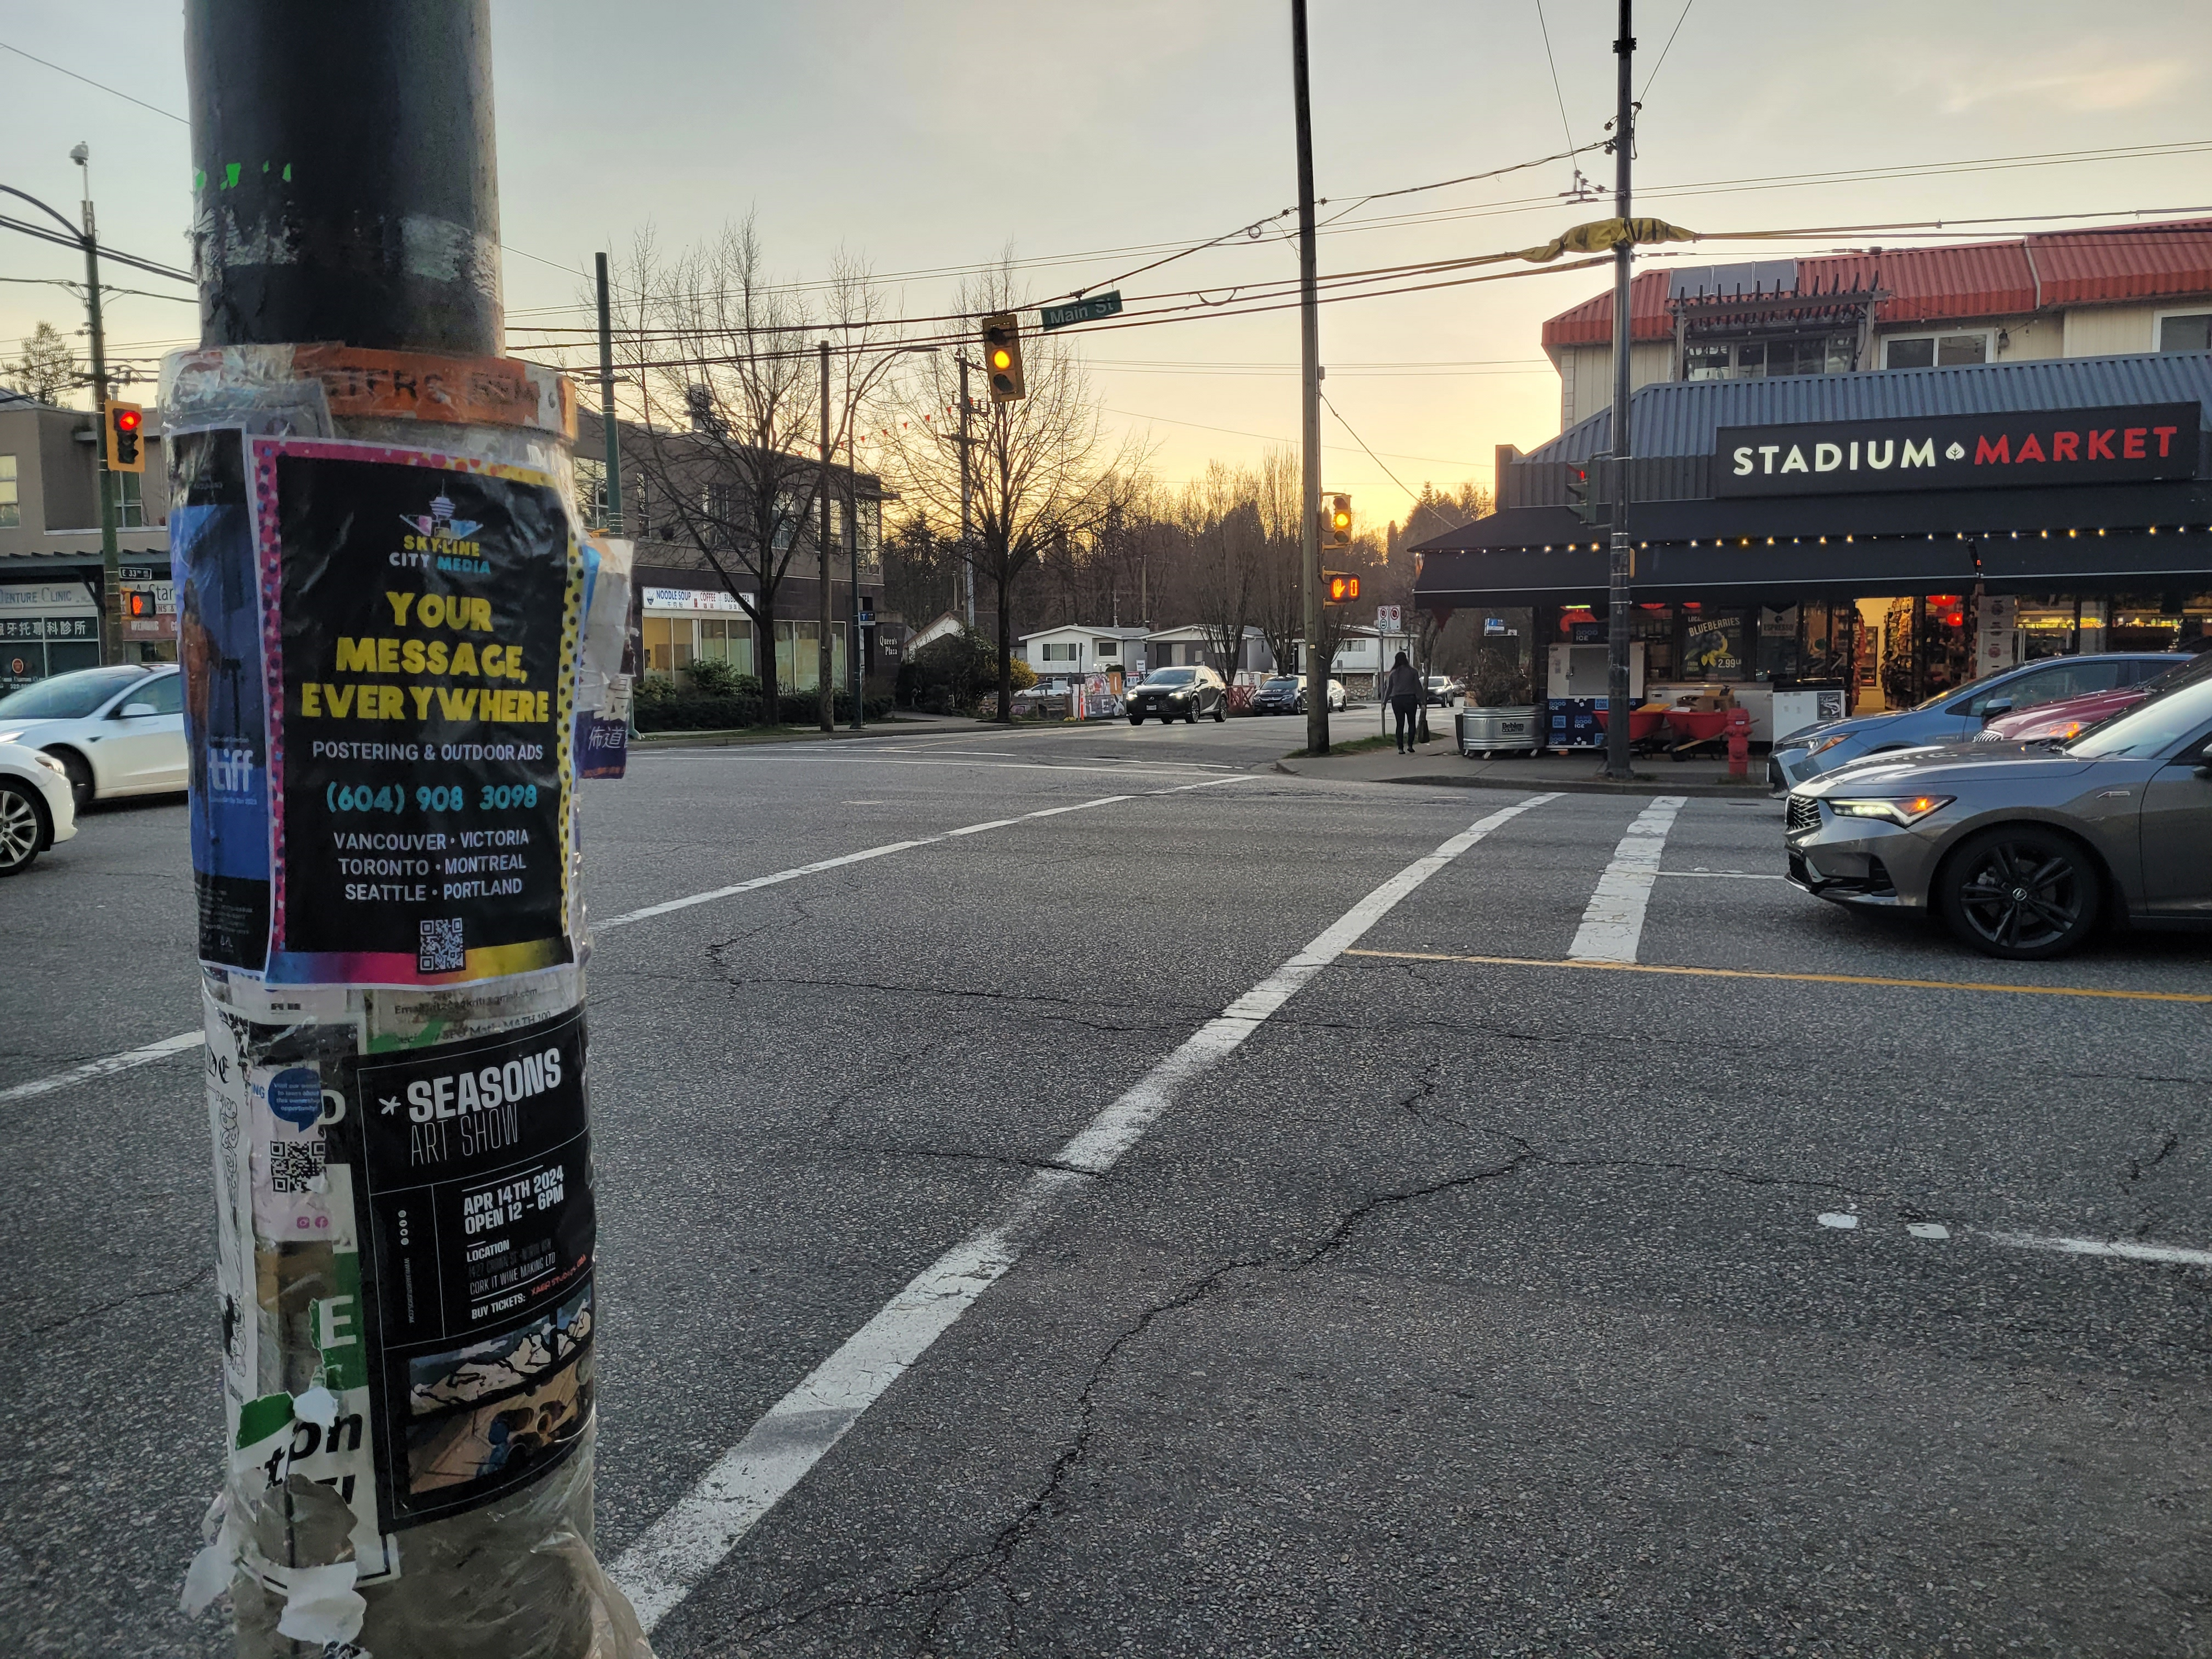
x,y
1465,1308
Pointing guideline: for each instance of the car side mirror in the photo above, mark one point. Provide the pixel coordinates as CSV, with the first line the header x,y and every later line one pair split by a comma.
x,y
1996,709
132,711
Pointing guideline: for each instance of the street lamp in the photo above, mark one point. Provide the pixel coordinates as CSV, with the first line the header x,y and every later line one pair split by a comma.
x,y
852,504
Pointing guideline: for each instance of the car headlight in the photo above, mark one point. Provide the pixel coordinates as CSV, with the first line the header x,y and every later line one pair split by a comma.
x,y
1827,744
47,760
1898,809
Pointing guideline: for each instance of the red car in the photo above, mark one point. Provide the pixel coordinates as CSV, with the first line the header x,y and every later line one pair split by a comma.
x,y
2068,719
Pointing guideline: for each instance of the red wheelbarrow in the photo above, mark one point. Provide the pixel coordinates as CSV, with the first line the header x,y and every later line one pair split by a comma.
x,y
1693,728
1644,724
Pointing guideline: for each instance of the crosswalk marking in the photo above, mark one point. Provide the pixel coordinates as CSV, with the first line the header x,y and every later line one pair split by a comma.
x,y
1612,924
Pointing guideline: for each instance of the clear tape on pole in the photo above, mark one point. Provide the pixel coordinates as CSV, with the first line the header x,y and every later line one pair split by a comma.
x,y
399,639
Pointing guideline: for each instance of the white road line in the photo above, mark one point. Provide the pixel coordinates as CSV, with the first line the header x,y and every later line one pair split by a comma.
x,y
106,1067
1725,875
184,1040
869,853
1613,922
688,1542
2127,1251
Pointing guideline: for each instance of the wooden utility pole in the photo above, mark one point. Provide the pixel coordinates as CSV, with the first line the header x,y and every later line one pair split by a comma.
x,y
827,703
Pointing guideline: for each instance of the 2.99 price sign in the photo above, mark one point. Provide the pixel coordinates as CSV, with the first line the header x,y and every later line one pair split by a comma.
x,y
427,640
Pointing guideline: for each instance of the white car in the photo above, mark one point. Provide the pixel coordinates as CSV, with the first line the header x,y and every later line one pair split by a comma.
x,y
116,731
36,806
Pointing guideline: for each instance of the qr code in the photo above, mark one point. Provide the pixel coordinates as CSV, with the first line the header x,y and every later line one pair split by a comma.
x,y
440,950
294,1165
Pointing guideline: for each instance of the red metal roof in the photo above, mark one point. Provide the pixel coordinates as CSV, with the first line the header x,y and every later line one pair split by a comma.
x,y
2107,264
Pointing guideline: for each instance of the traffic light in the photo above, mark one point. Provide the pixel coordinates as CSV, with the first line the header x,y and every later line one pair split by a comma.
x,y
1579,501
1002,357
124,422
1338,586
139,603
1338,521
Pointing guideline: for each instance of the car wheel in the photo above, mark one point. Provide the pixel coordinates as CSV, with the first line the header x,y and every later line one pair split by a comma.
x,y
21,829
2022,892
80,775
1190,715
1220,712
1136,719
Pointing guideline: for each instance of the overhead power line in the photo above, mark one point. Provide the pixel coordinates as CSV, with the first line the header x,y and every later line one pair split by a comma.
x,y
113,92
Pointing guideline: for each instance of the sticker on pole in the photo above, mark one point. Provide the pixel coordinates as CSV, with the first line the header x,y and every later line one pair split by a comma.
x,y
419,620
480,1236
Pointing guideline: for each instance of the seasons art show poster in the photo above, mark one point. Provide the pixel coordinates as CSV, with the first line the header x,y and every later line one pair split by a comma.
x,y
417,617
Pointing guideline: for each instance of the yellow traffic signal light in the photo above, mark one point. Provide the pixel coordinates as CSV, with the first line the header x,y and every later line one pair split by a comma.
x,y
1002,357
1340,587
1340,521
124,422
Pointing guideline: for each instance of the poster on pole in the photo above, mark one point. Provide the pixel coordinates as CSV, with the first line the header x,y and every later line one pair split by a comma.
x,y
381,647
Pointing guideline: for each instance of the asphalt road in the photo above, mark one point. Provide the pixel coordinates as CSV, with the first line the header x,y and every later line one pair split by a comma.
x,y
1469,1302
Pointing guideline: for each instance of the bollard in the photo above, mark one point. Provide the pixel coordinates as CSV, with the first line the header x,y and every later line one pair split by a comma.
x,y
392,625
1739,743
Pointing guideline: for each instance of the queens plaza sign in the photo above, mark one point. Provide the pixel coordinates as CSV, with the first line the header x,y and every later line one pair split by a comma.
x,y
2129,444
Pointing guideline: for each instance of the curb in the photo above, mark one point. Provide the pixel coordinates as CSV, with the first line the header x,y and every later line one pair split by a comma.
x,y
1755,790
741,736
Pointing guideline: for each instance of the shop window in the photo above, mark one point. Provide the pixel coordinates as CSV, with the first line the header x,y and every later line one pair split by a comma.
x,y
1712,645
1779,655
2188,330
669,644
1934,350
723,639
1654,624
11,511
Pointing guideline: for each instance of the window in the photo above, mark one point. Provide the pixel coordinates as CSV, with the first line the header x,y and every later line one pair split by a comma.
x,y
1106,648
129,500
1934,350
1753,360
2188,330
669,644
164,695
11,511
591,491
727,639
1061,653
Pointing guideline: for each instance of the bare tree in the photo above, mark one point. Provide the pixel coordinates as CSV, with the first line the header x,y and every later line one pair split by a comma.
x,y
1041,466
858,334
1221,515
48,368
1279,500
728,438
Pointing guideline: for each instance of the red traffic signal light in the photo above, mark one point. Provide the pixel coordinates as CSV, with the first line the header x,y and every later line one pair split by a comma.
x,y
124,423
1340,587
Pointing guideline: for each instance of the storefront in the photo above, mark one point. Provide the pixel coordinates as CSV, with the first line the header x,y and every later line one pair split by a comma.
x,y
683,625
46,628
1871,539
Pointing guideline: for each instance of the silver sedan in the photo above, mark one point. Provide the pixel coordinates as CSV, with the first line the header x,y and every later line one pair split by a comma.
x,y
2023,848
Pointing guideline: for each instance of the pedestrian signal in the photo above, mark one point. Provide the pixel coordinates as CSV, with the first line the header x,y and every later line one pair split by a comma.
x,y
1002,357
1339,588
139,603
124,422
1338,521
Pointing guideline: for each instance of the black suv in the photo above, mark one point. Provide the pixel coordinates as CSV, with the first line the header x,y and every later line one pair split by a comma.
x,y
1178,694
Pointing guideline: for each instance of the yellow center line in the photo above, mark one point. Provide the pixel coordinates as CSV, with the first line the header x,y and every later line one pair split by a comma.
x,y
1809,979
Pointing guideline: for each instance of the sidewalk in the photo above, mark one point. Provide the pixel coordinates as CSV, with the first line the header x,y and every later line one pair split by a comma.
x,y
1576,772
905,724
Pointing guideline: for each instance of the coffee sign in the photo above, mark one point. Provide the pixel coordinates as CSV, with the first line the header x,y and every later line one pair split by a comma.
x,y
2017,450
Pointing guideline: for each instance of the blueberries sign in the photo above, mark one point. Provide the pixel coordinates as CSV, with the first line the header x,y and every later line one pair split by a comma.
x,y
2019,450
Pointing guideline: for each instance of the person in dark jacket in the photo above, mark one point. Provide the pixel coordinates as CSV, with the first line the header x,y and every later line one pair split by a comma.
x,y
1403,688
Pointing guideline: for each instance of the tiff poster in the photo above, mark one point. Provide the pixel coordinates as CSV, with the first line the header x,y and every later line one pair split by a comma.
x,y
225,719
421,618
480,1234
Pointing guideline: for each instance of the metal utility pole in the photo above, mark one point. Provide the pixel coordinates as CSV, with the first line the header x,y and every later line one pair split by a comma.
x,y
1309,366
967,499
111,569
825,681
613,525
1619,613
396,1065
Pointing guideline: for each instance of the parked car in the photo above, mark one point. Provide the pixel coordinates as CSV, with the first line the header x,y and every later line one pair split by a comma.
x,y
2022,849
2071,716
37,809
116,731
1955,716
1286,694
1443,690
1183,694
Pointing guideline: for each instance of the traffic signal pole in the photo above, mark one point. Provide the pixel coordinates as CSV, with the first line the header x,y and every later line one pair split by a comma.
x,y
1310,370
386,597
1619,613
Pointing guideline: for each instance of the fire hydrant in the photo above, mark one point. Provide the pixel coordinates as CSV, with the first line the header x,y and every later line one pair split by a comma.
x,y
1739,743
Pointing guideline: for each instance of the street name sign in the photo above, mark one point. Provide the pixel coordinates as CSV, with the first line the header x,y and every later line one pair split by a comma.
x,y
1088,310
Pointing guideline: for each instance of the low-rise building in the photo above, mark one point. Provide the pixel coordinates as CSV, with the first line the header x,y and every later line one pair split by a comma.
x,y
1166,647
1074,651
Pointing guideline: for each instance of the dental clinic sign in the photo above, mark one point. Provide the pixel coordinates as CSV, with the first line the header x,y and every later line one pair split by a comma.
x,y
2134,444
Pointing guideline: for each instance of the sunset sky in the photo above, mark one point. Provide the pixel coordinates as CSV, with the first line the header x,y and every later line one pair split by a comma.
x,y
1092,138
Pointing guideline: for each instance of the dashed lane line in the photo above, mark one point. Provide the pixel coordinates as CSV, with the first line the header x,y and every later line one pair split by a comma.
x,y
1805,979
1612,922
677,1552
2123,1250
184,1040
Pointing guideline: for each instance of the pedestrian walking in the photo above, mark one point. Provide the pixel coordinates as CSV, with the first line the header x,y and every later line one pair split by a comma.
x,y
1403,688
